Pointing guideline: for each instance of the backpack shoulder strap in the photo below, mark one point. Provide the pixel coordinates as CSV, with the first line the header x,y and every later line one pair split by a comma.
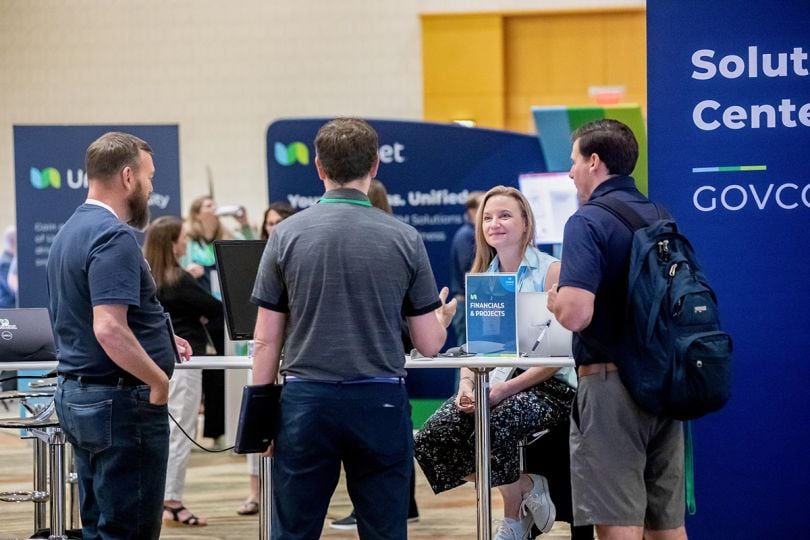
x,y
631,219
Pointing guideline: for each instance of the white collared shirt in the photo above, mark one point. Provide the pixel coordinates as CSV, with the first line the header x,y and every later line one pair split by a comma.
x,y
103,205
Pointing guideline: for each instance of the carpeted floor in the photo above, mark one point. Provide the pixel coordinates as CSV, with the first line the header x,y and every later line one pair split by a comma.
x,y
217,485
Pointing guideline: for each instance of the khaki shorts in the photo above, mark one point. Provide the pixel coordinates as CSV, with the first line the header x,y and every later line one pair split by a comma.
x,y
626,464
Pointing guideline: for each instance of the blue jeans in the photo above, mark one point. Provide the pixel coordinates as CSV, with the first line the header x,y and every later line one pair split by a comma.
x,y
365,426
121,445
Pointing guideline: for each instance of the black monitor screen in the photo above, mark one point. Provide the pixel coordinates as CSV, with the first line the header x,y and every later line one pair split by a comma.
x,y
237,264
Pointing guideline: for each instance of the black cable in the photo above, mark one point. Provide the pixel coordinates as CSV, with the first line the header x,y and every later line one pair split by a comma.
x,y
198,445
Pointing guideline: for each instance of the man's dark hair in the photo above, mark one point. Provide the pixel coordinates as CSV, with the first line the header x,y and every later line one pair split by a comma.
x,y
112,152
612,141
346,149
473,200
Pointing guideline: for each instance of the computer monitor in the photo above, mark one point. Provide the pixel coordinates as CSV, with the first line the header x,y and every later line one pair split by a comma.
x,y
553,199
237,265
26,335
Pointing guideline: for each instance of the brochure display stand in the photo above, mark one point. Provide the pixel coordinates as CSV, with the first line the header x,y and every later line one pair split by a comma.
x,y
491,310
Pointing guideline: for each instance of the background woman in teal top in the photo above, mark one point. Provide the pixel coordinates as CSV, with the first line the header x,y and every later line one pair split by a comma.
x,y
205,226
535,399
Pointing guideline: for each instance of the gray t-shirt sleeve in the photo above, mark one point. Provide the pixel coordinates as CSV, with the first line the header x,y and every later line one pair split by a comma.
x,y
270,291
422,295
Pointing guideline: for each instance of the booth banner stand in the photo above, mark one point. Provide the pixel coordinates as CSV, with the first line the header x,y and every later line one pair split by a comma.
x,y
50,182
729,129
428,169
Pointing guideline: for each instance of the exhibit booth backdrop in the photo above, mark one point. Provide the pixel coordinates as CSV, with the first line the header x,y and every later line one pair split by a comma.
x,y
729,128
428,170
51,182
555,124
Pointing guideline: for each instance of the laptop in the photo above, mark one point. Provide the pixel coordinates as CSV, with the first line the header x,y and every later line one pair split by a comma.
x,y
26,335
539,332
259,417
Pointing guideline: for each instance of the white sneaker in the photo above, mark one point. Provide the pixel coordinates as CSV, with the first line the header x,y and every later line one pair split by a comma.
x,y
537,503
513,529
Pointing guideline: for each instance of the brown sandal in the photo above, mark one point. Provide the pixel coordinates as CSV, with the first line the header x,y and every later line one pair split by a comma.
x,y
190,521
248,508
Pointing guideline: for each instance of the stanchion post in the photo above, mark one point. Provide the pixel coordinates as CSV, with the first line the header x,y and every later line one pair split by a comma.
x,y
40,483
265,497
74,521
56,447
482,480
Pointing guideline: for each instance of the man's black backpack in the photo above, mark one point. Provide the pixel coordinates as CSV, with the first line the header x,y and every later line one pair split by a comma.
x,y
672,356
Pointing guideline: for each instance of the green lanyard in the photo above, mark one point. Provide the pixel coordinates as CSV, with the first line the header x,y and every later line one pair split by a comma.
x,y
347,201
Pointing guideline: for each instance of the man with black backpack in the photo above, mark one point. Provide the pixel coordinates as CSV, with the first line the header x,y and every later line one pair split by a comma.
x,y
627,464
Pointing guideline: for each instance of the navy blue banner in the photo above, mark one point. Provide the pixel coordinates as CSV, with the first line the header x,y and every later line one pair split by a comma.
x,y
51,182
428,170
729,128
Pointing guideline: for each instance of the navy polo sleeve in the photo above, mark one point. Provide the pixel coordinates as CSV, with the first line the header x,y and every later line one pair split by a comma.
x,y
114,270
583,261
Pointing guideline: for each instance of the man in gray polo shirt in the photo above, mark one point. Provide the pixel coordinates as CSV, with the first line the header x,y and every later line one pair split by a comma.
x,y
333,285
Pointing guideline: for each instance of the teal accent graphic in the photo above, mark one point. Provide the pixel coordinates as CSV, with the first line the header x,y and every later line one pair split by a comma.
x,y
731,168
290,154
554,130
555,125
46,177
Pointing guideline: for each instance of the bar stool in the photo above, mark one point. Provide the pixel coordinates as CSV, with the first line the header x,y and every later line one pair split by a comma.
x,y
48,384
39,494
546,452
44,427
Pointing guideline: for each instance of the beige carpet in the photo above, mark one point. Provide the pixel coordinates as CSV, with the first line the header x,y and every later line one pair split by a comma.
x,y
216,486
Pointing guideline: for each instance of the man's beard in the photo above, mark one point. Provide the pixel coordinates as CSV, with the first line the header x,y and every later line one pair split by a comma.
x,y
138,206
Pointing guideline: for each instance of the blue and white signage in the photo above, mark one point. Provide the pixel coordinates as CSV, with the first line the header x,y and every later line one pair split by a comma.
x,y
428,170
729,129
491,309
51,182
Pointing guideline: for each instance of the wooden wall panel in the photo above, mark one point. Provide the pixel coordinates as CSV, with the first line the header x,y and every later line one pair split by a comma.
x,y
550,60
554,58
493,67
463,68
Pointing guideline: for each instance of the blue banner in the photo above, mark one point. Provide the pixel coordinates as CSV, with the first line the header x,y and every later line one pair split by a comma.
x,y
729,127
428,170
51,182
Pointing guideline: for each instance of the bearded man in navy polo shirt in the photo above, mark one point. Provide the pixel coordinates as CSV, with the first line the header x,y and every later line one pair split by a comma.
x,y
116,350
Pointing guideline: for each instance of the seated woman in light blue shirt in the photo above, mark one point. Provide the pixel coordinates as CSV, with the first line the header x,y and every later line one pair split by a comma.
x,y
532,400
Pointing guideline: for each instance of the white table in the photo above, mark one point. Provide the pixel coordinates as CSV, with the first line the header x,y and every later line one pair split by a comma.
x,y
480,366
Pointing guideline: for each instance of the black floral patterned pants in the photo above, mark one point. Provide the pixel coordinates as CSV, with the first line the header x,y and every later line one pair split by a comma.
x,y
445,446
